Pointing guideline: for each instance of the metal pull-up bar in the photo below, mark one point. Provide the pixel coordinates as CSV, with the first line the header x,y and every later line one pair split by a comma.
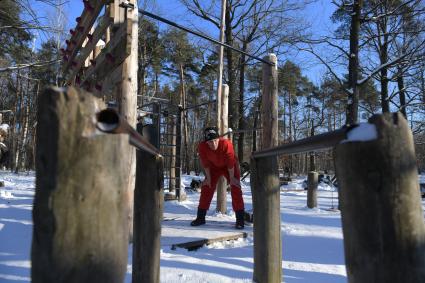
x,y
314,143
156,17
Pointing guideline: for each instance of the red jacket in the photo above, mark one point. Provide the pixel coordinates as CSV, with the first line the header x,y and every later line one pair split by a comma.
x,y
222,157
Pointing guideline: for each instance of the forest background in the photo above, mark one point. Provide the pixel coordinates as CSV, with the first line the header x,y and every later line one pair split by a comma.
x,y
339,62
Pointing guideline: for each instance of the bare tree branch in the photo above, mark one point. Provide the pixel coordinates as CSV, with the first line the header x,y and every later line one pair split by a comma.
x,y
27,65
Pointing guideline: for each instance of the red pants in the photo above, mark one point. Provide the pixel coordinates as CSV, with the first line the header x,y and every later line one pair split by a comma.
x,y
207,192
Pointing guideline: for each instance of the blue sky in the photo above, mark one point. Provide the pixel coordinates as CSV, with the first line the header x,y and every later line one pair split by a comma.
x,y
317,14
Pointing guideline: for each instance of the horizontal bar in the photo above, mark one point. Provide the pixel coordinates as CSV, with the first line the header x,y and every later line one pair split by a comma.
x,y
111,122
154,98
143,12
240,131
199,105
314,143
164,144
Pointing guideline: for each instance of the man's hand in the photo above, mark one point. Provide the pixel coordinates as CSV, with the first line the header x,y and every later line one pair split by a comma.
x,y
206,182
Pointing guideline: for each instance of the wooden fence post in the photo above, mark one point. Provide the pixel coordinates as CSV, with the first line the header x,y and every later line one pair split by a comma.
x,y
312,183
266,188
80,226
148,210
222,182
382,217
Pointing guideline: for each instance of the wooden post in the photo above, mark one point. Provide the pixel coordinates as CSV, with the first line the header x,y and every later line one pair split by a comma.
x,y
148,210
266,188
127,95
173,126
224,122
382,217
80,228
312,183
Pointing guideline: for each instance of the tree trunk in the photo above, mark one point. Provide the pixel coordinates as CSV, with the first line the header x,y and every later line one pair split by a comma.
x,y
312,154
241,106
382,217
401,93
312,183
353,65
80,229
231,80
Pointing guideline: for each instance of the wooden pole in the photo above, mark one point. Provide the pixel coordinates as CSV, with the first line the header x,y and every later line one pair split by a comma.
x,y
127,97
312,183
80,228
148,211
266,188
382,217
222,183
174,132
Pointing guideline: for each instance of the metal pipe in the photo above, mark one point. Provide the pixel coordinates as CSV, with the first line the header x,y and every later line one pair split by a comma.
x,y
314,143
199,105
241,131
109,121
143,12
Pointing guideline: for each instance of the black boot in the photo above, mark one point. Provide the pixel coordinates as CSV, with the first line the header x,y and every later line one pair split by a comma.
x,y
200,218
240,223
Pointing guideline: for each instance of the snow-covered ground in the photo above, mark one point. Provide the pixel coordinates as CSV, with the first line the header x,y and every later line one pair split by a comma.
x,y
312,246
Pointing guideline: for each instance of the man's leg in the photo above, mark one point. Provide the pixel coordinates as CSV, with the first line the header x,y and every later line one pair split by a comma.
x,y
237,199
235,191
207,192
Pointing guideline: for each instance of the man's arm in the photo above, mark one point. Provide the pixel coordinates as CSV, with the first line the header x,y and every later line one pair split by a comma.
x,y
205,165
207,180
233,180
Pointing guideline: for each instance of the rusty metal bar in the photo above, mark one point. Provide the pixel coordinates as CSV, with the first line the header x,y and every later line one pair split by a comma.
x,y
109,121
240,131
199,105
314,143
156,17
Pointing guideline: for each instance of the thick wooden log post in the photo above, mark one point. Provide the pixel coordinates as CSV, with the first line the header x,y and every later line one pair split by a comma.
x,y
148,210
224,124
312,183
266,188
382,217
127,95
80,229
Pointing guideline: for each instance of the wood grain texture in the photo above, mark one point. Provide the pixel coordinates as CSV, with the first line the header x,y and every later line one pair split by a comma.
x,y
382,217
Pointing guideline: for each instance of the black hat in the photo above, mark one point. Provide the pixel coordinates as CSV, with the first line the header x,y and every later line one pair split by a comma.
x,y
210,133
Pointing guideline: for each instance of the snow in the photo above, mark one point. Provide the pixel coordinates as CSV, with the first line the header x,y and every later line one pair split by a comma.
x,y
312,242
4,127
362,132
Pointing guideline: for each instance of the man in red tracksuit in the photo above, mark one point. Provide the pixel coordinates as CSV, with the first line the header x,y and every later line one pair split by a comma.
x,y
218,159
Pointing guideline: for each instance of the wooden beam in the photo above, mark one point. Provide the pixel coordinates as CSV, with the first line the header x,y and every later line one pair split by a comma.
x,y
193,245
88,17
85,52
115,52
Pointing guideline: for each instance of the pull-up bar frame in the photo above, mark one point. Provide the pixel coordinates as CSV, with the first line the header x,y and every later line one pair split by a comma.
x,y
156,17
